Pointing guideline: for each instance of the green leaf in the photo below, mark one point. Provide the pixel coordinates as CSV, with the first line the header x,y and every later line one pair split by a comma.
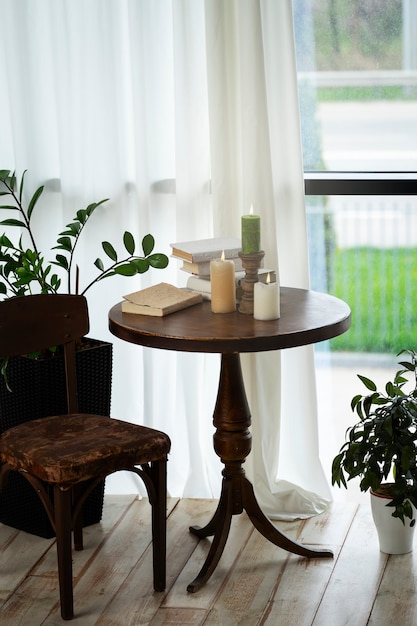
x,y
81,215
158,260
12,222
388,425
34,200
141,265
336,465
65,243
127,269
367,382
90,209
110,251
99,264
55,281
355,400
62,261
22,183
4,175
407,365
73,229
129,242
5,241
408,509
390,389
148,244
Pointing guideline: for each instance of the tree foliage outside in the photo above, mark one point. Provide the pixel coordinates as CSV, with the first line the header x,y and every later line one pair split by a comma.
x,y
358,34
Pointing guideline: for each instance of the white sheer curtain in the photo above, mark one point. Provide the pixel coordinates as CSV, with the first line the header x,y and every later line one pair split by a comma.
x,y
183,113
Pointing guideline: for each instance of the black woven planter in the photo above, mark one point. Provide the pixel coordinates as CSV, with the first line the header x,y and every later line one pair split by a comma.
x,y
38,390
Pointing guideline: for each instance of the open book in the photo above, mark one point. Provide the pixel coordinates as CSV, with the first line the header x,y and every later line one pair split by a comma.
x,y
159,300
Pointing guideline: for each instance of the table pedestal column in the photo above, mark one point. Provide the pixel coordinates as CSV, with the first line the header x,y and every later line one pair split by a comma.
x,y
232,443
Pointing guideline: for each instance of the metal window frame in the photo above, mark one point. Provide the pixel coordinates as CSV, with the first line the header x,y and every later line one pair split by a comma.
x,y
360,183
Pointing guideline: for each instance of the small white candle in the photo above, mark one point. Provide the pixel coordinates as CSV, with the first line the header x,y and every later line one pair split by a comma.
x,y
266,302
223,286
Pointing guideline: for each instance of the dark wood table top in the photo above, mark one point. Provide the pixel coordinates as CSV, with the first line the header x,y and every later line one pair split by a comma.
x,y
306,317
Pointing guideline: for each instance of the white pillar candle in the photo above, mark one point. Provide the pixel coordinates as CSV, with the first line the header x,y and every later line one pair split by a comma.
x,y
223,285
266,301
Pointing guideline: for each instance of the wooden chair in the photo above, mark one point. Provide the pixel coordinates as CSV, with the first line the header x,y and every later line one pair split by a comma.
x,y
75,451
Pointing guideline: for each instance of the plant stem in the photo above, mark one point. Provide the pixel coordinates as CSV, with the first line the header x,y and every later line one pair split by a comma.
x,y
108,271
23,214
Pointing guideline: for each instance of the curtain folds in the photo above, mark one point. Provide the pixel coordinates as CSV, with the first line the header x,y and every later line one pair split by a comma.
x,y
184,113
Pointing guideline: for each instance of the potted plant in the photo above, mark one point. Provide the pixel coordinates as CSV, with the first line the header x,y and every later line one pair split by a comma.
x,y
32,388
381,449
22,268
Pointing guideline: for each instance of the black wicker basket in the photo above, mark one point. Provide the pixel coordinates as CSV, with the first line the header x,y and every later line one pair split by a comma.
x,y
38,390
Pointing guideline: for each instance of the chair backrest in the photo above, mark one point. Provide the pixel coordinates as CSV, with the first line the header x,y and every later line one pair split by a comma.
x,y
33,323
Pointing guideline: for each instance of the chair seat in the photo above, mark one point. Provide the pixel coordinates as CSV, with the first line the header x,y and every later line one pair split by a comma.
x,y
68,449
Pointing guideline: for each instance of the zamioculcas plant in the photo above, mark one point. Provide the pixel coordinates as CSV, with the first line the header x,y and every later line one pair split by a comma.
x,y
23,269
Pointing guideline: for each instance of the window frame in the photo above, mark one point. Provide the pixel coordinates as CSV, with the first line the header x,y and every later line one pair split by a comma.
x,y
331,183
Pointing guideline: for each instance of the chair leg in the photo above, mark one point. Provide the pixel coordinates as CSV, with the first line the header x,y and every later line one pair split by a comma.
x,y
77,519
63,528
159,524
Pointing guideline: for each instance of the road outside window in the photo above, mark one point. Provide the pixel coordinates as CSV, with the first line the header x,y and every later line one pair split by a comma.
x,y
357,69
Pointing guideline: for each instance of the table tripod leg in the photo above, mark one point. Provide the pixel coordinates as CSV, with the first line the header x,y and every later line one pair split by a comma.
x,y
224,514
209,529
268,530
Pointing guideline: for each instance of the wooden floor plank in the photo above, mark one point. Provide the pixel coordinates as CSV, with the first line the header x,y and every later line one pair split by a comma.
x,y
396,600
357,576
135,601
179,617
300,587
255,583
331,527
39,593
248,590
18,553
31,603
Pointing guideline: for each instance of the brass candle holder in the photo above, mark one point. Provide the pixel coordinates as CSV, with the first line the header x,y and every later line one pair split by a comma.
x,y
251,264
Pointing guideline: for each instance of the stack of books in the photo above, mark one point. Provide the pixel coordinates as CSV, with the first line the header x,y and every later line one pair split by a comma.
x,y
196,255
202,284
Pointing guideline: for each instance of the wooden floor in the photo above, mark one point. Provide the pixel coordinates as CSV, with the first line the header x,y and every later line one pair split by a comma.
x,y
254,583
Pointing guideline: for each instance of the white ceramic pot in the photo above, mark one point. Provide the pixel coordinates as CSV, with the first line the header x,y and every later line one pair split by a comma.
x,y
394,536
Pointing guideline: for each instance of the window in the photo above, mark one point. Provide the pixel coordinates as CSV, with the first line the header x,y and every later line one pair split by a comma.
x,y
357,69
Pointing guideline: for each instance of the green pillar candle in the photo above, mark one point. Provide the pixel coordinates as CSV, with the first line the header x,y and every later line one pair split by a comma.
x,y
251,234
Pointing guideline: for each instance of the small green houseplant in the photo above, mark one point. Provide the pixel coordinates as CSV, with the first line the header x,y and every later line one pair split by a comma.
x,y
23,269
381,448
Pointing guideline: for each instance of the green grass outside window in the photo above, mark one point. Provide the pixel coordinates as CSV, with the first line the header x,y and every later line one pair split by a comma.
x,y
380,286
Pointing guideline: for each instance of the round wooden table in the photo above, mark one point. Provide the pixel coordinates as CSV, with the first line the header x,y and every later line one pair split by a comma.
x,y
306,317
